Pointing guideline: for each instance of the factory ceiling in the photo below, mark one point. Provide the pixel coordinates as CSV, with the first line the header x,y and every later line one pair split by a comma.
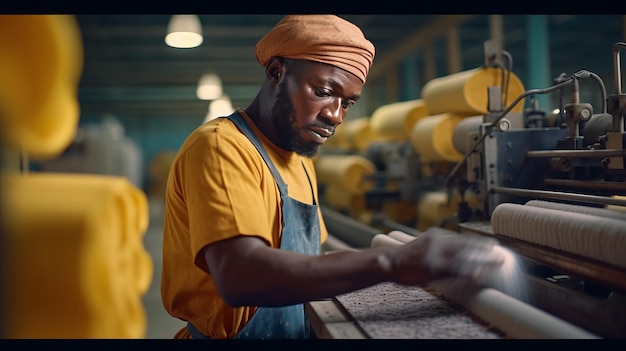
x,y
129,71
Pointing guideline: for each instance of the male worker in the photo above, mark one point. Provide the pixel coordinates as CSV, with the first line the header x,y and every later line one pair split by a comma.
x,y
242,225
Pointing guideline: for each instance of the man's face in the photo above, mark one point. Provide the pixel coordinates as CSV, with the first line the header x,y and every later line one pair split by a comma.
x,y
312,100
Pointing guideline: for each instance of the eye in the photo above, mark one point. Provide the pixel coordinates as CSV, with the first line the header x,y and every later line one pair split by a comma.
x,y
322,92
346,104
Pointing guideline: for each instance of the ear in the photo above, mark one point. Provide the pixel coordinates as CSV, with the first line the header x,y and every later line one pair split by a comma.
x,y
274,69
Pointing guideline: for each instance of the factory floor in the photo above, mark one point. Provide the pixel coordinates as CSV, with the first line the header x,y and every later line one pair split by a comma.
x,y
160,324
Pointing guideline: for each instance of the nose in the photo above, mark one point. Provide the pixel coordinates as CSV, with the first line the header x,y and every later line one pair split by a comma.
x,y
333,112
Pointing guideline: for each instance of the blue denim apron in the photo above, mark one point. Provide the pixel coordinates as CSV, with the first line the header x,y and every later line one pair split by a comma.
x,y
300,233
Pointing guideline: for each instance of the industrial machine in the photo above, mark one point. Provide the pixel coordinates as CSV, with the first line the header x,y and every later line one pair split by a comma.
x,y
466,156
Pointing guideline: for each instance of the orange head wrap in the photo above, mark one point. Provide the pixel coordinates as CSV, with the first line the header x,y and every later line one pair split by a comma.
x,y
322,38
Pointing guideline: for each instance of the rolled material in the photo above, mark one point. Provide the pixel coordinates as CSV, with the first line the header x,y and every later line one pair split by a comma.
x,y
396,120
348,171
513,317
40,78
599,238
596,211
432,139
358,134
401,236
384,240
433,208
77,264
337,198
337,141
466,92
461,136
332,243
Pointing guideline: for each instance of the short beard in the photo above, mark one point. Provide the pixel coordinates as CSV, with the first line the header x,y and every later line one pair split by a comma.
x,y
284,117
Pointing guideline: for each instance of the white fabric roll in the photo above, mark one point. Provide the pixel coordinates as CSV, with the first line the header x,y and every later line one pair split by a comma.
x,y
382,240
592,236
596,211
513,317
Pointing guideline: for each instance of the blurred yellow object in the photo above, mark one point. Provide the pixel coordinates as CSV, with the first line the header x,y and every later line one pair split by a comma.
x,y
348,171
434,209
396,120
432,138
40,64
77,263
466,92
358,134
73,260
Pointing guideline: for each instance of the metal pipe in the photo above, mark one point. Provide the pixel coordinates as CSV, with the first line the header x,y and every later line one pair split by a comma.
x,y
603,200
577,153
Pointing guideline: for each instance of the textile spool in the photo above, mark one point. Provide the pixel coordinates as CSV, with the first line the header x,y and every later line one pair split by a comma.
x,y
592,236
40,77
466,92
338,199
596,211
348,171
358,134
431,138
433,209
338,141
396,120
79,269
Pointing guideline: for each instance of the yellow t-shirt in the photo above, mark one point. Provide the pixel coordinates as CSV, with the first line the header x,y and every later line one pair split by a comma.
x,y
219,187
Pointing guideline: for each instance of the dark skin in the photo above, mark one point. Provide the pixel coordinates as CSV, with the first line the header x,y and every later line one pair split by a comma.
x,y
314,100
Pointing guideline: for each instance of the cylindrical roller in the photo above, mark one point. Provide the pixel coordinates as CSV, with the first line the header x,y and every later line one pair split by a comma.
x,y
433,207
382,240
337,141
401,236
515,318
84,249
599,238
349,171
466,92
431,138
596,211
332,243
336,197
396,120
461,136
358,134
40,75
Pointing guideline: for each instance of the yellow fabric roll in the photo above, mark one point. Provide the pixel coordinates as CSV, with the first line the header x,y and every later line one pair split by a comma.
x,y
466,92
40,77
396,120
338,141
433,207
77,264
358,133
348,171
431,138
337,198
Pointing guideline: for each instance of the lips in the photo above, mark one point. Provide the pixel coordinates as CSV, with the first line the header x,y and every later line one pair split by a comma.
x,y
323,132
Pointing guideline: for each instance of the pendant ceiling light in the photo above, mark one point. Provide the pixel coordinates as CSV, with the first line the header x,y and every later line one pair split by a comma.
x,y
184,31
209,87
